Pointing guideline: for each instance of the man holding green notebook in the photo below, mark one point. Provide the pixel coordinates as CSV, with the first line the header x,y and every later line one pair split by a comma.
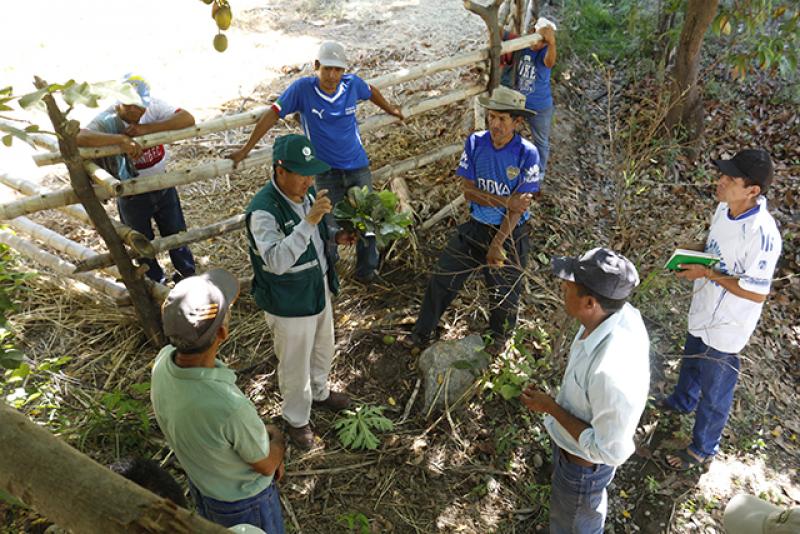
x,y
727,301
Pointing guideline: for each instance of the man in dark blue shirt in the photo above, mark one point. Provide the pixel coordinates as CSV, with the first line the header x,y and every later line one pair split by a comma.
x,y
499,173
327,106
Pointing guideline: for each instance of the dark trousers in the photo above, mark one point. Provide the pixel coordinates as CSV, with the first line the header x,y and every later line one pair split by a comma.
x,y
464,254
706,384
337,182
163,207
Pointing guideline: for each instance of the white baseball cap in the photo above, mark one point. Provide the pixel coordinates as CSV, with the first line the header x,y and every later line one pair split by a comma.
x,y
331,54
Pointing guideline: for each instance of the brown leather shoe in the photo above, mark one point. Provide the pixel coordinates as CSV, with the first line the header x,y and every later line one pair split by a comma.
x,y
302,436
336,402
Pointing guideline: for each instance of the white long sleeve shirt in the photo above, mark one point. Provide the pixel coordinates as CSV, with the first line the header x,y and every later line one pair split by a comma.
x,y
605,384
280,251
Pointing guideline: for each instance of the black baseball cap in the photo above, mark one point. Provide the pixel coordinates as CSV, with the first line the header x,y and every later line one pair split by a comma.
x,y
605,272
295,153
754,165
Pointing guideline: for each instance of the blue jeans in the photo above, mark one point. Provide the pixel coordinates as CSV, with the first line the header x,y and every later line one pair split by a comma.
x,y
337,182
706,383
262,510
578,498
164,207
540,128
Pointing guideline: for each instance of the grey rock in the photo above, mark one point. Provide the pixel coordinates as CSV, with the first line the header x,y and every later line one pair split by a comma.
x,y
463,359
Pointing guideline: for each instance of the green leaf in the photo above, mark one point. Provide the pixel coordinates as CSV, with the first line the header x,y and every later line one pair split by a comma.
x,y
144,387
11,359
26,101
509,391
8,139
19,374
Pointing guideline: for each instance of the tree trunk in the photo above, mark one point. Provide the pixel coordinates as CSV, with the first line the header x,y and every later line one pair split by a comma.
x,y
76,492
146,310
686,104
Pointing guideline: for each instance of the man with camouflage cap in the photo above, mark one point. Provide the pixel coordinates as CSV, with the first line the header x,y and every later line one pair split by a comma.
x,y
231,458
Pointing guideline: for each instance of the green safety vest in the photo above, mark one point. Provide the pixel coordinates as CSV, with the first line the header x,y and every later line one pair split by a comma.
x,y
300,291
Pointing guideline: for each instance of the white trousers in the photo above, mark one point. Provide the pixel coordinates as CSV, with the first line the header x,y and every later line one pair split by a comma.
x,y
304,347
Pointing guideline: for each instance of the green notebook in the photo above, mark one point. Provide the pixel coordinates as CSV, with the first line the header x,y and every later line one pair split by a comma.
x,y
682,256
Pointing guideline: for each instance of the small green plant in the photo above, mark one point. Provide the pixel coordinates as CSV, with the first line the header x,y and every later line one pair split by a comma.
x,y
366,211
355,522
31,386
539,495
512,370
11,282
653,485
116,420
507,439
355,427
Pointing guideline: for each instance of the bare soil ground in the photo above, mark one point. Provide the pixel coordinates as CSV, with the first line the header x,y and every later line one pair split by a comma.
x,y
484,467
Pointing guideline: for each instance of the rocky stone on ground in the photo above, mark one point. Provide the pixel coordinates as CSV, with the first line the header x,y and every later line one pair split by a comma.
x,y
449,367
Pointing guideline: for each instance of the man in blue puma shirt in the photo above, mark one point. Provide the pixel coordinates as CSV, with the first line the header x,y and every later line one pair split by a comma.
x,y
327,106
499,173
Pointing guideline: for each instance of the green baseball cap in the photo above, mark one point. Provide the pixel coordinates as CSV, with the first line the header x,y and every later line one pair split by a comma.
x,y
295,153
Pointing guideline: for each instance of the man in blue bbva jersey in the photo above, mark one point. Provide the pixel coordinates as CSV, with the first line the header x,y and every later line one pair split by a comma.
x,y
499,173
327,106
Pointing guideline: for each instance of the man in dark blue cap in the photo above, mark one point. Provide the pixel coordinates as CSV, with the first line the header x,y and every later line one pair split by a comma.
x,y
593,419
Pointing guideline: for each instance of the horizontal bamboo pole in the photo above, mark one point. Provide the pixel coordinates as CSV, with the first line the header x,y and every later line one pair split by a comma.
x,y
100,176
414,73
219,124
248,118
378,121
168,243
450,209
61,197
64,268
136,240
52,239
77,251
416,162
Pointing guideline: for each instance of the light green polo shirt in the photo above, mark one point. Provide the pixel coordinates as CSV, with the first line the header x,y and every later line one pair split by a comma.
x,y
213,428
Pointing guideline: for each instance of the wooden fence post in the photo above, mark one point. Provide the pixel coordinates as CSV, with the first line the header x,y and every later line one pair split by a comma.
x,y
67,131
489,15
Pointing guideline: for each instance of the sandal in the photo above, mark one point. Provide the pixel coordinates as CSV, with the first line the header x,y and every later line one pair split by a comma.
x,y
688,462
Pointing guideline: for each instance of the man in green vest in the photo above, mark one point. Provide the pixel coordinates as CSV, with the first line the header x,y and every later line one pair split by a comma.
x,y
294,277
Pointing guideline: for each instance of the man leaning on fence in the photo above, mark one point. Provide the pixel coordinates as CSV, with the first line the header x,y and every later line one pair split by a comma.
x,y
231,458
593,419
116,126
327,106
